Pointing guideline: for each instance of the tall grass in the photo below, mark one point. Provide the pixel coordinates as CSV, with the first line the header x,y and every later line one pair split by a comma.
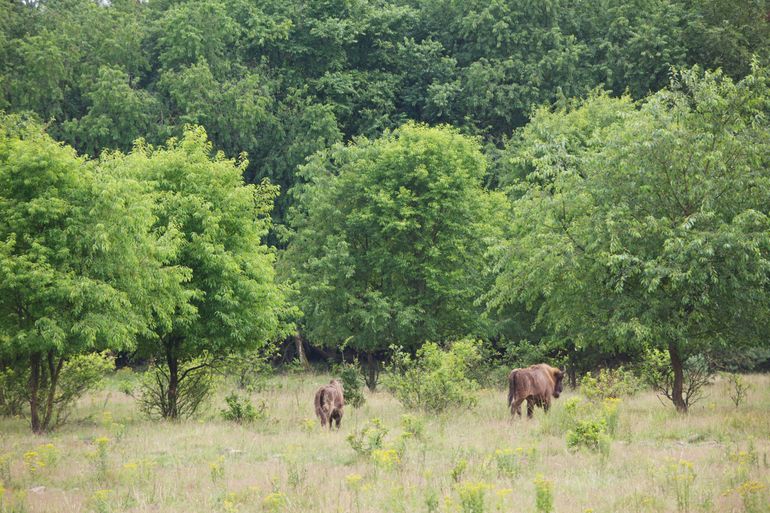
x,y
462,460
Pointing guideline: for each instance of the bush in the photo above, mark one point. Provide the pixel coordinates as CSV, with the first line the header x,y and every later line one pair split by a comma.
x,y
658,373
192,389
13,391
368,439
241,410
250,370
352,383
78,375
435,379
609,383
590,434
738,388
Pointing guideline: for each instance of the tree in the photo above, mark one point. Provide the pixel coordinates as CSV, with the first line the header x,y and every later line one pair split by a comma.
x,y
390,240
657,237
231,302
76,258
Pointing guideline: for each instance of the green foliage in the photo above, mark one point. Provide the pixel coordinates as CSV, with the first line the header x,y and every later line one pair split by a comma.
x,y
413,426
658,374
511,462
251,369
241,410
369,438
435,379
589,434
154,399
79,261
648,236
390,240
230,301
609,383
543,494
472,496
13,391
738,388
352,383
80,374
680,476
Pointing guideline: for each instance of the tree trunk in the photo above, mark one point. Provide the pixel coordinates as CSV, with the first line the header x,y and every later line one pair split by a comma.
x,y
34,389
372,371
678,386
300,345
54,370
172,360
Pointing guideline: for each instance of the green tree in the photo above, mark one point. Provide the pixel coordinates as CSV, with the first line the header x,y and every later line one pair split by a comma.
x,y
390,241
80,269
118,115
658,235
232,301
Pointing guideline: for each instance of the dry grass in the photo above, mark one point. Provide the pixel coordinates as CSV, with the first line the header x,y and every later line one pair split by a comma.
x,y
287,465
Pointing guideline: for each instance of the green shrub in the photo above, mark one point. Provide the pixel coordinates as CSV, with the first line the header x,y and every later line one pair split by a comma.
x,y
13,391
612,383
369,438
658,373
241,410
251,370
510,462
590,434
737,388
352,383
413,425
472,496
435,379
543,495
192,390
79,374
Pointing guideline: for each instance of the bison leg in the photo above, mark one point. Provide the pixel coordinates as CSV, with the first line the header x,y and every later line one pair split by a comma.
x,y
547,405
530,407
337,419
516,407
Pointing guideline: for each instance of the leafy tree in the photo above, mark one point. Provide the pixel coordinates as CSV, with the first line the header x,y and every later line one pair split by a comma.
x,y
231,301
658,236
118,115
390,240
79,267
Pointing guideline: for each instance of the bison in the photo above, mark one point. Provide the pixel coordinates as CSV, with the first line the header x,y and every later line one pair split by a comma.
x,y
537,384
329,401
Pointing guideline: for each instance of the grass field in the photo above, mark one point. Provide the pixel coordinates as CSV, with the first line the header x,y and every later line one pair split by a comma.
x,y
716,459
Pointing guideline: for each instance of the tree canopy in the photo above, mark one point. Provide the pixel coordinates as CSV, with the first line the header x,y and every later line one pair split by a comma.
x,y
390,240
654,230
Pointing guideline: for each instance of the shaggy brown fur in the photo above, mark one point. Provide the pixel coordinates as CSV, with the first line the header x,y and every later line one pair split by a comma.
x,y
329,401
537,384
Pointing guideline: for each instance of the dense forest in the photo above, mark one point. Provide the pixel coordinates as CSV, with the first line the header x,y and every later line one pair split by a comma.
x,y
580,182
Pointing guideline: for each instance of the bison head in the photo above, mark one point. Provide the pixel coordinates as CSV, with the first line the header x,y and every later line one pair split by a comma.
x,y
559,376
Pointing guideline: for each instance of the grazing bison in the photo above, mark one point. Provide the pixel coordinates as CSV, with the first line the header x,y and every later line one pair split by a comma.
x,y
329,401
537,384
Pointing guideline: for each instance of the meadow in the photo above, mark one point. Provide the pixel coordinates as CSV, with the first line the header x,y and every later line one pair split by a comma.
x,y
109,458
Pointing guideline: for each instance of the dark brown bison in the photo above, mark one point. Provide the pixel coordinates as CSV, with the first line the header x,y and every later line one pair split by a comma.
x,y
537,384
329,401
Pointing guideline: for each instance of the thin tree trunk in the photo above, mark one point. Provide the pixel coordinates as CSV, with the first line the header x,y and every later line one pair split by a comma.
x,y
34,388
54,370
678,385
173,379
372,371
299,343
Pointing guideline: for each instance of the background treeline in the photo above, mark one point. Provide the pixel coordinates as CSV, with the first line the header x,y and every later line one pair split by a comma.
x,y
559,180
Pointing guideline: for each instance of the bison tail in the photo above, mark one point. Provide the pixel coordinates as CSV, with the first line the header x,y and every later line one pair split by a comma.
x,y
511,386
319,406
